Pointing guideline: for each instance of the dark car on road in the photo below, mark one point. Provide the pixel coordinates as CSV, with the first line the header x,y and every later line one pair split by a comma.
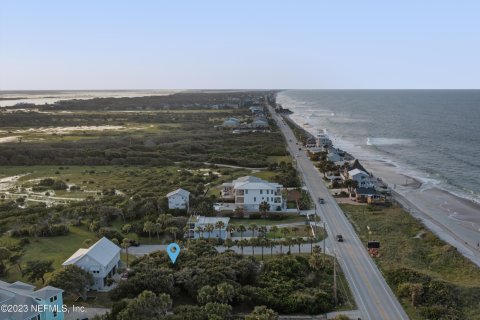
x,y
339,238
321,200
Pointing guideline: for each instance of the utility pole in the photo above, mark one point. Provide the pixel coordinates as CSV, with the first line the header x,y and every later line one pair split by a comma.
x,y
324,237
335,278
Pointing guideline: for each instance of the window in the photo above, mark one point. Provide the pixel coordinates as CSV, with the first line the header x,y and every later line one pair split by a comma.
x,y
254,199
246,191
261,191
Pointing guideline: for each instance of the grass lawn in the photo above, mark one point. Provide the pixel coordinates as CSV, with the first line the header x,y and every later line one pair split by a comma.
x,y
405,242
267,222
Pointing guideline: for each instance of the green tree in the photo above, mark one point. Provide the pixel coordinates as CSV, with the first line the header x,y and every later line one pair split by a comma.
x,y
274,231
146,306
206,294
218,311
5,254
253,227
173,231
149,227
125,245
413,290
219,226
126,228
72,279
264,207
262,313
225,292
36,269
241,228
209,228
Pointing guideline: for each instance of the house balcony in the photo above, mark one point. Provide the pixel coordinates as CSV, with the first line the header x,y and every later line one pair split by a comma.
x,y
239,192
240,200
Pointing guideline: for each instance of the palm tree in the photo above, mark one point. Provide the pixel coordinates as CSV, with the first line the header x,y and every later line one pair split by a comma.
x,y
149,227
229,243
289,242
241,228
125,244
198,230
253,227
157,229
295,230
173,231
263,230
285,232
299,241
164,220
264,207
252,243
262,242
274,231
219,225
242,243
231,229
209,228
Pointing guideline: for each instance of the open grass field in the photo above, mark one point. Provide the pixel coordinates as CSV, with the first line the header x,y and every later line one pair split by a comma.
x,y
405,242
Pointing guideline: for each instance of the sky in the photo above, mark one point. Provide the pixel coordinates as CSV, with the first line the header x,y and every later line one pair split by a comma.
x,y
239,44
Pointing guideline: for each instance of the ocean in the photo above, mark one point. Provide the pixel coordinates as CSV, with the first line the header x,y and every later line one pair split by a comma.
x,y
431,135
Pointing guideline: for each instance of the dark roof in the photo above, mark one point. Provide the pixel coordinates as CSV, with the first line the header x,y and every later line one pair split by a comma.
x,y
365,191
356,165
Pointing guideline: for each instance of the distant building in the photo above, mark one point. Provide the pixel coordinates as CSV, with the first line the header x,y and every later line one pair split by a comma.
x,y
231,123
259,123
362,178
178,199
102,260
249,192
198,227
42,304
334,157
323,140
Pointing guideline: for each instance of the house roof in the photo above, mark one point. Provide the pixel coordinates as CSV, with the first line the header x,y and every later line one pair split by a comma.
x,y
179,191
254,183
356,165
46,292
356,171
19,293
103,251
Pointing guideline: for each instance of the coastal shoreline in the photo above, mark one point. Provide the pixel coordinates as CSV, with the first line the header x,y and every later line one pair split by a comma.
x,y
454,219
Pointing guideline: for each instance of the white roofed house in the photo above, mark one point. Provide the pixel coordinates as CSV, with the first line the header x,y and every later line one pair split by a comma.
x,y
231,123
249,192
362,178
178,199
102,260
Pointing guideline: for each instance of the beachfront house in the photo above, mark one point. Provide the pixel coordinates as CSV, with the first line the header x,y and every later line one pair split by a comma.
x,y
334,157
42,304
102,260
367,195
249,192
208,227
323,140
362,178
178,199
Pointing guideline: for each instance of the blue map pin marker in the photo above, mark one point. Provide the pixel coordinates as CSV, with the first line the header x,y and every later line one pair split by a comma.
x,y
173,254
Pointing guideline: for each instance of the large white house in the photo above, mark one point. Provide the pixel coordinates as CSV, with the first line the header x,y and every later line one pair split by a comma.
x,y
249,192
198,227
362,178
102,260
178,199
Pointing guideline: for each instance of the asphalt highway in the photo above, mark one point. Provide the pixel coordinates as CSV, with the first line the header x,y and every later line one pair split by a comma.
x,y
371,292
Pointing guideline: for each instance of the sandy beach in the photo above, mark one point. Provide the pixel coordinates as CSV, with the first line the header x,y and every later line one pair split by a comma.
x,y
454,219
